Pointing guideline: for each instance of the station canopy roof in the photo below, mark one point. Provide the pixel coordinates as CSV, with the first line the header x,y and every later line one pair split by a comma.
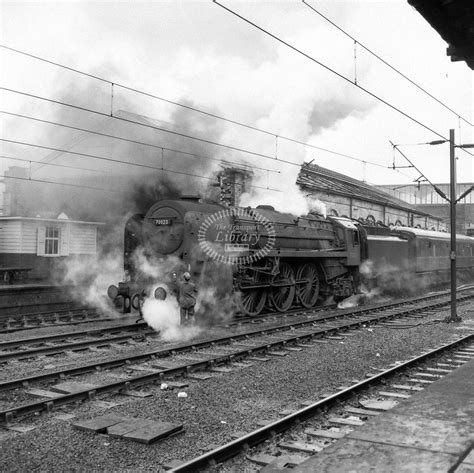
x,y
319,179
454,21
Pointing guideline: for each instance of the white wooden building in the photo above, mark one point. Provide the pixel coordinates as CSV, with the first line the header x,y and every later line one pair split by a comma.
x,y
45,244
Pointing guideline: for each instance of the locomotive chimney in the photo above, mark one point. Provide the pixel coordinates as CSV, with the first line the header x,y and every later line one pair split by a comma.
x,y
233,182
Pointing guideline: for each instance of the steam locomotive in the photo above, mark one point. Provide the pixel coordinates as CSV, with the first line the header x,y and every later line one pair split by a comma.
x,y
276,261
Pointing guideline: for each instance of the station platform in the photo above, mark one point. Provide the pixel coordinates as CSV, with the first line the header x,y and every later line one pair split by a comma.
x,y
432,431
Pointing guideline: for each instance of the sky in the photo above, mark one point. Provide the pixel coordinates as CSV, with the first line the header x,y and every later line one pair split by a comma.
x,y
199,54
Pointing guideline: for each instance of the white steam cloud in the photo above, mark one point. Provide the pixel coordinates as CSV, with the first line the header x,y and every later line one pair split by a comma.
x,y
164,317
289,198
91,277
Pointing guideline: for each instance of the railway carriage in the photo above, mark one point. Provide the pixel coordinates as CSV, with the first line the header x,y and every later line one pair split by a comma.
x,y
429,253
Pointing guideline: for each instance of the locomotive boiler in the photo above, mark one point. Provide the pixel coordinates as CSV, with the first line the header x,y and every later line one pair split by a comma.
x,y
274,261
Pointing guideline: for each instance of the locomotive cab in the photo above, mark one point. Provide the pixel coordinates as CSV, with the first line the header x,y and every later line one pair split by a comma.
x,y
348,234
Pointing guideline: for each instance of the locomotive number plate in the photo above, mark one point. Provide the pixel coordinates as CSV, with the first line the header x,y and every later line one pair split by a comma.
x,y
162,221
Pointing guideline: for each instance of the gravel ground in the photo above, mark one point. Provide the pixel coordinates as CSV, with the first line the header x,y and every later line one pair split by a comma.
x,y
216,408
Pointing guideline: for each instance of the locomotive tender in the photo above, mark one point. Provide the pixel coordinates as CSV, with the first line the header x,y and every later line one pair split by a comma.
x,y
279,260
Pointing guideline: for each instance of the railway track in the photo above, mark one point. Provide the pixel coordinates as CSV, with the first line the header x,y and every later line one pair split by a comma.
x,y
75,315
266,341
337,412
35,345
8,349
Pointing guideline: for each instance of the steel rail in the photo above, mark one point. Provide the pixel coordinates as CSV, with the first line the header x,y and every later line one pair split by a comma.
x,y
14,355
46,312
7,416
61,323
63,336
19,382
258,436
71,346
206,344
16,322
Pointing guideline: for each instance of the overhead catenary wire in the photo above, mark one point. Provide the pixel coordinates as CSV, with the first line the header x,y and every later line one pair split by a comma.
x,y
188,107
342,76
435,187
106,135
45,181
154,127
65,166
260,155
107,189
103,158
356,41
129,140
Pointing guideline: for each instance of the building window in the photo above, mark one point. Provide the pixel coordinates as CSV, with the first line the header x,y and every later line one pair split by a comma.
x,y
51,241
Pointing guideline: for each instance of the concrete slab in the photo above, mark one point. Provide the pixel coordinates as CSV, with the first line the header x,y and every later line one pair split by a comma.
x,y
427,375
396,395
98,424
327,434
406,431
351,455
177,384
262,459
361,412
377,405
153,432
439,370
345,421
420,381
221,369
457,407
163,364
258,358
301,447
70,387
43,393
406,387
126,426
199,376
282,462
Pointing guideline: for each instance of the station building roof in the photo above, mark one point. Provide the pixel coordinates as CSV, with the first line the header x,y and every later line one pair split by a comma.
x,y
454,21
324,180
